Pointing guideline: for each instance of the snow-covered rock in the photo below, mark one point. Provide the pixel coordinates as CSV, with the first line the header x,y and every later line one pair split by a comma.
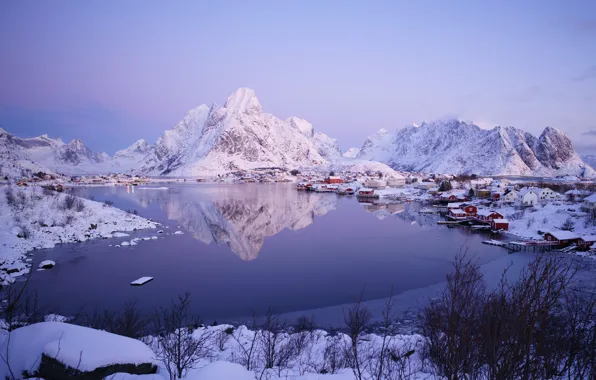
x,y
47,264
75,346
453,146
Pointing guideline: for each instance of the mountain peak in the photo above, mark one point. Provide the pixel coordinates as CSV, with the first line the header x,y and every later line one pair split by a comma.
x,y
243,100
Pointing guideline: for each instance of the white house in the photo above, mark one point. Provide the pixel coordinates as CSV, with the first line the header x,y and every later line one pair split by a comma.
x,y
527,197
546,194
510,196
589,202
396,181
375,184
425,185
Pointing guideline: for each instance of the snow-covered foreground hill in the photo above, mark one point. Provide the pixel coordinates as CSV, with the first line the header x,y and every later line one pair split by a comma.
x,y
226,353
453,146
33,218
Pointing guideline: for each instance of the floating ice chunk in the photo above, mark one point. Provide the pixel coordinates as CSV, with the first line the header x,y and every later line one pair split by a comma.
x,y
119,234
160,232
141,281
178,233
125,243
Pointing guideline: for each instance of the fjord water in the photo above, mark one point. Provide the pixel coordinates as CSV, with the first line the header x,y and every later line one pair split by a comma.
x,y
250,246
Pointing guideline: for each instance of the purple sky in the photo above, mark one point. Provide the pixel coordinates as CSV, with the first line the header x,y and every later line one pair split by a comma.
x,y
112,72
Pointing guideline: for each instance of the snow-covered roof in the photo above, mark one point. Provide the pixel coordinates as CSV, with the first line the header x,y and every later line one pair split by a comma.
x,y
591,198
501,221
365,189
527,190
458,212
563,235
589,238
486,212
454,205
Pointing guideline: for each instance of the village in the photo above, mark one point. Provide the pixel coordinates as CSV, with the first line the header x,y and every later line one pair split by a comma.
x,y
543,218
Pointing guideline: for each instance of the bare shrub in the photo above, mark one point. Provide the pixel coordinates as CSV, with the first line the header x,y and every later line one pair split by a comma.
x,y
10,197
24,232
69,202
246,345
276,349
68,219
108,202
356,321
222,337
334,355
449,324
129,322
568,225
79,205
530,222
179,348
48,192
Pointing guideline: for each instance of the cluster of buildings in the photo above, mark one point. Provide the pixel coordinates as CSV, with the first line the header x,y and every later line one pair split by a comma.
x,y
469,212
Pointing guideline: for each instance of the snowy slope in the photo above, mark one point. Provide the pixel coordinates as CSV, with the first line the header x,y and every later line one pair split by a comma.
x,y
453,146
351,153
238,136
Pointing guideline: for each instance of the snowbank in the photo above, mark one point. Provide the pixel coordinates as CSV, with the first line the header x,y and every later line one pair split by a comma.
x,y
31,218
75,346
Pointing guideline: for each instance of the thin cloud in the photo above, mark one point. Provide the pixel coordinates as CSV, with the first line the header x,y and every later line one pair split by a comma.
x,y
590,133
586,75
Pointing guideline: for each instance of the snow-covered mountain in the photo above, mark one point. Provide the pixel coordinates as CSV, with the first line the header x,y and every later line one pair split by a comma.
x,y
237,136
453,146
589,159
13,162
351,153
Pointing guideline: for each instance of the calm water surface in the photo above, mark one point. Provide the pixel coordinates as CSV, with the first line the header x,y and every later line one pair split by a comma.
x,y
249,246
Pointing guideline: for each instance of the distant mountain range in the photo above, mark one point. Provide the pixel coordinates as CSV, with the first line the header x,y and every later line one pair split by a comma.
x,y
453,146
212,140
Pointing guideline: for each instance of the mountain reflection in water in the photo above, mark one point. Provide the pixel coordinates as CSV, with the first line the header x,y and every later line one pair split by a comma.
x,y
238,216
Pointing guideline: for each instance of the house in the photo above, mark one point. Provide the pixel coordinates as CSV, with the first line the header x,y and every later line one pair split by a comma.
x,y
563,238
457,213
510,196
334,179
425,185
394,181
500,224
576,195
375,184
366,192
589,203
527,197
586,242
546,194
496,195
483,193
433,191
488,215
454,205
470,210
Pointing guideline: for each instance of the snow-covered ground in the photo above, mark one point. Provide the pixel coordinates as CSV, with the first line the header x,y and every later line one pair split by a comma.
x,y
31,218
226,355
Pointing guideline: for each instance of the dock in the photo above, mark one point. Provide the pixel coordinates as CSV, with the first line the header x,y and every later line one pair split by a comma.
x,y
494,242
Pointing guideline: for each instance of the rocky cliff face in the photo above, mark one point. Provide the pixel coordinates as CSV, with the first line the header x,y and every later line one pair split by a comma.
x,y
453,146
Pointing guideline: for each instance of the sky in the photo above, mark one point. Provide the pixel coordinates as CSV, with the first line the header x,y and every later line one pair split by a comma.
x,y
111,72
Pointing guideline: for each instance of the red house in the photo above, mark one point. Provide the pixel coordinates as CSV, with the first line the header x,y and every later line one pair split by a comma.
x,y
334,179
586,242
471,210
563,238
500,224
457,213
487,216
